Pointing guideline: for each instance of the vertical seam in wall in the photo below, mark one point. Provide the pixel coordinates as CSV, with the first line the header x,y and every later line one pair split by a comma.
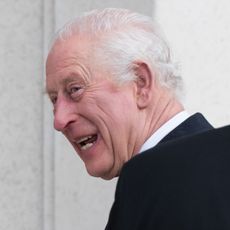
x,y
48,138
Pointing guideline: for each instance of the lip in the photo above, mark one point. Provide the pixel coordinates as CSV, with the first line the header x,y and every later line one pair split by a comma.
x,y
89,152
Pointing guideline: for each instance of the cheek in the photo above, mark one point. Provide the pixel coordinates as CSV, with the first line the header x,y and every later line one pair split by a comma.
x,y
112,114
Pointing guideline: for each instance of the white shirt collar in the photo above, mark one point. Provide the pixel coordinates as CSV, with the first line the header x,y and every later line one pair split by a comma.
x,y
164,130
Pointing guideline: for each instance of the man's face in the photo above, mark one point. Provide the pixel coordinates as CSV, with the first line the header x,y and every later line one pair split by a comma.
x,y
97,116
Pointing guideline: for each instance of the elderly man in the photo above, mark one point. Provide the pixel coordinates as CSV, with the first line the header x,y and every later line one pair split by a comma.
x,y
114,89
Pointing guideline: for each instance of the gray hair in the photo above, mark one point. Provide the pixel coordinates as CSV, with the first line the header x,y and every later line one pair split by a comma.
x,y
124,38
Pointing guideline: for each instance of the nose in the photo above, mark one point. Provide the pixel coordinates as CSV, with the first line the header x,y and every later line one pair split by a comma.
x,y
64,114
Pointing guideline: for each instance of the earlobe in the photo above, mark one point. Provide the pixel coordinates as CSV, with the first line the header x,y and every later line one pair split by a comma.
x,y
144,84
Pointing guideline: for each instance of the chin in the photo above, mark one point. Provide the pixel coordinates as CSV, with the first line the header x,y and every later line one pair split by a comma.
x,y
102,173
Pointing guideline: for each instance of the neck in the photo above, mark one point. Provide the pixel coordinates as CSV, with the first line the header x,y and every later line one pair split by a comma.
x,y
162,110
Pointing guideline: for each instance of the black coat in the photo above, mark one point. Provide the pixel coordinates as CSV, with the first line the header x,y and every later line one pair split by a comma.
x,y
183,183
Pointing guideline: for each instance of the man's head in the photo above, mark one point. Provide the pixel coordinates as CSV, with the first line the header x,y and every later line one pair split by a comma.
x,y
112,84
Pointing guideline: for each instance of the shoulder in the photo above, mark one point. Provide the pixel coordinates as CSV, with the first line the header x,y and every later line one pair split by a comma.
x,y
182,156
177,183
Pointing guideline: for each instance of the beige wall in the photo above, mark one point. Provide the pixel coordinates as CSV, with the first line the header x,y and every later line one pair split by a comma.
x,y
43,184
21,115
199,32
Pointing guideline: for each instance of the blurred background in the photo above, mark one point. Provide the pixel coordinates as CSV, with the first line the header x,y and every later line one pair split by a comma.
x,y
43,184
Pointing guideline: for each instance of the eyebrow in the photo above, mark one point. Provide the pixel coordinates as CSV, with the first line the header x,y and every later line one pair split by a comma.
x,y
68,80
65,81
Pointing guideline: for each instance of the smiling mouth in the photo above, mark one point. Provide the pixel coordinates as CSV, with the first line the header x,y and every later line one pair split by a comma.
x,y
86,142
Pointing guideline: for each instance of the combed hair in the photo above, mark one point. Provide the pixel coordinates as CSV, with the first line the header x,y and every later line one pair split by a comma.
x,y
125,37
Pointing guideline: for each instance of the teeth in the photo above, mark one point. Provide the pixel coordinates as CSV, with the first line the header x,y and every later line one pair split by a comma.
x,y
83,139
87,146
86,142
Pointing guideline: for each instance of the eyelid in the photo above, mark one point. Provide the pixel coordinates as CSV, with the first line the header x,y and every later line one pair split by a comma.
x,y
74,85
77,93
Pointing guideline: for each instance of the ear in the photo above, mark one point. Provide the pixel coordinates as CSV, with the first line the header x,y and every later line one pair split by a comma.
x,y
144,83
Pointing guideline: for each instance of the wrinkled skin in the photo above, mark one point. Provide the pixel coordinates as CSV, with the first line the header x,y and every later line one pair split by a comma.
x,y
88,103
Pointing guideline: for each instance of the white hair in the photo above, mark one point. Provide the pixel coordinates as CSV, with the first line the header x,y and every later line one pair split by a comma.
x,y
124,38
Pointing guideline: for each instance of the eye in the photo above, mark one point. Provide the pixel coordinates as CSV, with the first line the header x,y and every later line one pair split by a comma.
x,y
53,99
75,91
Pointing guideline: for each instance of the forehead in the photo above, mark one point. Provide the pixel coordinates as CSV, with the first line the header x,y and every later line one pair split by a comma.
x,y
71,59
67,52
68,57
